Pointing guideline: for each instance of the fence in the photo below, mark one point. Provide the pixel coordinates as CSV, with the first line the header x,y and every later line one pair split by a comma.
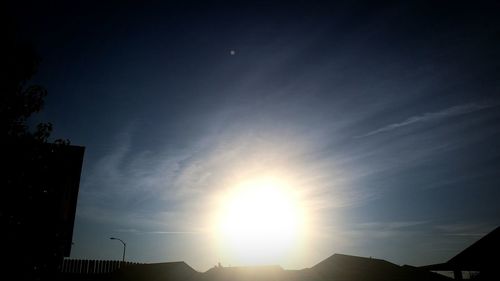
x,y
91,266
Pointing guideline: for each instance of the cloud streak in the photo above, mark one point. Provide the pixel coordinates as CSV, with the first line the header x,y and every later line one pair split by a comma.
x,y
176,188
432,116
135,231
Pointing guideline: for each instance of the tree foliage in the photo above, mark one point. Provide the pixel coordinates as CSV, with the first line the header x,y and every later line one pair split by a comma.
x,y
19,98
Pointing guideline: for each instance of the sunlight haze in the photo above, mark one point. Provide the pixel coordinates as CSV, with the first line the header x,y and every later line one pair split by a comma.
x,y
260,222
274,132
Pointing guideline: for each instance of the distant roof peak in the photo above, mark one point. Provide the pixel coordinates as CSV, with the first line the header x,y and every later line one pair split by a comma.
x,y
354,257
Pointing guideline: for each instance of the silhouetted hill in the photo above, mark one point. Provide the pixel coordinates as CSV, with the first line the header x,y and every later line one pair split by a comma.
x,y
169,271
349,268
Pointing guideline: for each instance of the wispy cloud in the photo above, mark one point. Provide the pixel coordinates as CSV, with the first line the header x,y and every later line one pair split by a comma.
x,y
431,116
176,189
386,229
390,225
171,232
465,229
136,231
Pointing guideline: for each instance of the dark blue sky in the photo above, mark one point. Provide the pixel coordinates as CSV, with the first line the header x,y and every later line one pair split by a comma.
x,y
383,115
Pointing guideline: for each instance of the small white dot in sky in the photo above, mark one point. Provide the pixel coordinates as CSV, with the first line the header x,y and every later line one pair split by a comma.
x,y
232,52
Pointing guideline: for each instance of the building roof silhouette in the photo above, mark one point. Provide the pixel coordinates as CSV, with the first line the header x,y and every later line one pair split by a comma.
x,y
345,267
338,267
476,257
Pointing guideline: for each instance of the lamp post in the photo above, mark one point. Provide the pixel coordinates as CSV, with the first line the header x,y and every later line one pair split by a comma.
x,y
124,246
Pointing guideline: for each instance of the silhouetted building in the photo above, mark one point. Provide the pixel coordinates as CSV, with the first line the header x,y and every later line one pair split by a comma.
x,y
481,256
335,268
347,268
246,273
40,183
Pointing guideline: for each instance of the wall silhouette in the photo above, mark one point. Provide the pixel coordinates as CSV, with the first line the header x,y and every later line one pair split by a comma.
x,y
78,266
37,207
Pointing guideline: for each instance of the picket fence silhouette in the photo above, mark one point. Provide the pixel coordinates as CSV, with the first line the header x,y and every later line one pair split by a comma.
x,y
78,266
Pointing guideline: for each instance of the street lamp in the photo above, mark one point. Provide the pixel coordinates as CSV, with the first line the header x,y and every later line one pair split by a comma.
x,y
124,246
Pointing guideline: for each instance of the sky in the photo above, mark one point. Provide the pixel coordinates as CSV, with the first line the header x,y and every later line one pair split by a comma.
x,y
382,116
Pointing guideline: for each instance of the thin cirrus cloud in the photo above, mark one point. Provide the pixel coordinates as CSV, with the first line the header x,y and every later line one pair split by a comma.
x,y
136,231
465,229
176,187
432,116
384,229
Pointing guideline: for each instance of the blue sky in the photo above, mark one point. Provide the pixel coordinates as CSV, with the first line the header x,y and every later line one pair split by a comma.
x,y
385,116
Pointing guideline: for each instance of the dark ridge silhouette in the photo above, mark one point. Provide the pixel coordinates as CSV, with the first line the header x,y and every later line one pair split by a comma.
x,y
477,257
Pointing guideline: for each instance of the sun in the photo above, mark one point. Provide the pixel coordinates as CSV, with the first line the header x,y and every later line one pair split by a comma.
x,y
259,222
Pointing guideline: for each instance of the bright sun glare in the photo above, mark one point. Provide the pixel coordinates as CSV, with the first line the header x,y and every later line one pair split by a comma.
x,y
260,222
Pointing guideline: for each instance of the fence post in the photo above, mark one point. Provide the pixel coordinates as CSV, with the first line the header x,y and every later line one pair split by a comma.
x,y
85,267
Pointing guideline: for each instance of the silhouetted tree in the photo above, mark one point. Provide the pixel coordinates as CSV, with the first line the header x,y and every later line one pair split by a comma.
x,y
20,99
39,180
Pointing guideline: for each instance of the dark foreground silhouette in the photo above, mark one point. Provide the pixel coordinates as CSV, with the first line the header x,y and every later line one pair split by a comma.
x,y
40,183
39,178
338,267
480,257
